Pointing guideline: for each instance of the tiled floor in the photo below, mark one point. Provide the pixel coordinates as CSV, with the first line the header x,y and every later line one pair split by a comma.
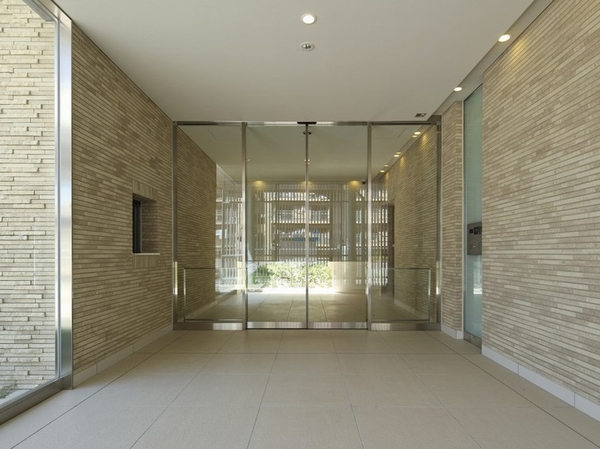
x,y
320,389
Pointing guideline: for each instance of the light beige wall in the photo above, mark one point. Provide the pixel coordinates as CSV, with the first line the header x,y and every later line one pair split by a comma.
x,y
541,203
196,224
121,147
452,218
412,185
27,200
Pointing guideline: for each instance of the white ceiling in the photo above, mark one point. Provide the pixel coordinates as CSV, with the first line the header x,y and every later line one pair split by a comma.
x,y
240,60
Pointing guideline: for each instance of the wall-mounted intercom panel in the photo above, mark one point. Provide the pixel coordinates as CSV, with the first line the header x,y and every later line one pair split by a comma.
x,y
474,239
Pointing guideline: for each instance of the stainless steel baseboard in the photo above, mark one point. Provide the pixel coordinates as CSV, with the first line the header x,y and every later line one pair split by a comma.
x,y
209,325
406,326
33,397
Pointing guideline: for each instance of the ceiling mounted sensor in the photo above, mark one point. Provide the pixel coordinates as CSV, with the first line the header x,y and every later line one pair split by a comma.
x,y
421,114
307,46
308,18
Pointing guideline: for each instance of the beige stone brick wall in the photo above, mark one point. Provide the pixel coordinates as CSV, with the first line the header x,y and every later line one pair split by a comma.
x,y
27,200
196,224
413,192
121,147
541,204
452,217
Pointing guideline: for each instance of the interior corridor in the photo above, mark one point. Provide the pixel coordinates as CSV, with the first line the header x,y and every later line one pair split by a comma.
x,y
278,389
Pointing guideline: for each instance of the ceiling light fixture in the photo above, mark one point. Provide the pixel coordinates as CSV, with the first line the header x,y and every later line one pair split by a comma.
x,y
396,155
308,18
418,133
307,46
504,38
381,171
457,89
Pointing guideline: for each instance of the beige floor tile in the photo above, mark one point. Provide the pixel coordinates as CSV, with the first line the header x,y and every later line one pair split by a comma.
x,y
162,342
233,390
140,391
473,390
26,424
518,428
579,422
390,390
305,428
240,364
312,364
359,342
301,341
418,346
90,427
446,364
254,341
199,342
201,427
411,428
520,385
459,346
373,364
302,389
172,363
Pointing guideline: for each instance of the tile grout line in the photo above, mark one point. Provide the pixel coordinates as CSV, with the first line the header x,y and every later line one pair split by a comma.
x,y
436,397
539,407
262,398
91,395
360,435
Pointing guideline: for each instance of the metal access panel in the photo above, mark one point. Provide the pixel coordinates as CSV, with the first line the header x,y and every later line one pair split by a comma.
x,y
474,232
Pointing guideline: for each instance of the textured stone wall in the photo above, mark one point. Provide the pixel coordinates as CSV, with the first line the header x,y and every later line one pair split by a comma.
x,y
121,148
541,204
452,217
27,199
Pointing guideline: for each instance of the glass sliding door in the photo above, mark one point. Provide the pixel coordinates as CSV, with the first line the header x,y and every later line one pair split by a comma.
x,y
276,214
283,225
337,226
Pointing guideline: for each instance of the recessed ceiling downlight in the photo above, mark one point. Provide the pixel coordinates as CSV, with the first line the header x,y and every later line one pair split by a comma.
x,y
308,18
504,38
457,89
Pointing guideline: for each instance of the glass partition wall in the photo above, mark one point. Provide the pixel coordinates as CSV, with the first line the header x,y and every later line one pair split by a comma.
x,y
36,206
305,225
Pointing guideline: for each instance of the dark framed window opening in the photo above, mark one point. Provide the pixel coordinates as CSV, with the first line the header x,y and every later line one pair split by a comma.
x,y
137,225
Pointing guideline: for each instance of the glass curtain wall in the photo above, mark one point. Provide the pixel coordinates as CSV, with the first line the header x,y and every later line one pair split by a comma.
x,y
209,224
35,226
473,211
404,223
306,218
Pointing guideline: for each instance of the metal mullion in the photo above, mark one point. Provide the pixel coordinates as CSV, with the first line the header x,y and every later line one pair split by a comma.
x,y
306,221
244,238
369,226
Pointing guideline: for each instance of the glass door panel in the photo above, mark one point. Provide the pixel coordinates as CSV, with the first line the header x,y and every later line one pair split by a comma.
x,y
337,258
209,224
276,226
404,223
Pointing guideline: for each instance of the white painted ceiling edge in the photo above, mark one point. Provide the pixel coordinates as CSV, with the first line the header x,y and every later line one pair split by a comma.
x,y
239,60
